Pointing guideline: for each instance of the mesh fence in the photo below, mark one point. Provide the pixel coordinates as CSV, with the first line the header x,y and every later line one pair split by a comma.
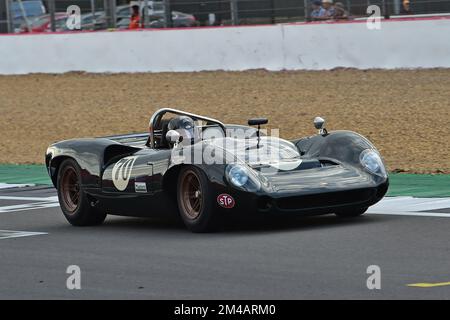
x,y
53,15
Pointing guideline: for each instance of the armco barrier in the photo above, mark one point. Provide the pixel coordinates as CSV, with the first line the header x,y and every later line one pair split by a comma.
x,y
412,43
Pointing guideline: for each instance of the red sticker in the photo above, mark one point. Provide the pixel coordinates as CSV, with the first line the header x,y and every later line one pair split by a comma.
x,y
225,200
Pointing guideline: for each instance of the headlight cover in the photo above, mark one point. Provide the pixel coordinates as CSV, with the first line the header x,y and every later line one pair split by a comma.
x,y
240,177
371,161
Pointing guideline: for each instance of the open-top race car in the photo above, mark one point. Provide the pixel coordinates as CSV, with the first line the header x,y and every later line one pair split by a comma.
x,y
205,170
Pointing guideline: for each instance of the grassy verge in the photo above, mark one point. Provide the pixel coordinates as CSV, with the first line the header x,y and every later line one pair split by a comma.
x,y
32,173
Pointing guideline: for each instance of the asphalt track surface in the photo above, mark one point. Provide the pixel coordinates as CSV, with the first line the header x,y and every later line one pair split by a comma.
x,y
277,258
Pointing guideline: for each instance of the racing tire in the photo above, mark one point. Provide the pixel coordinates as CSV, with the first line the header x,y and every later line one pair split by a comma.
x,y
194,200
73,201
351,213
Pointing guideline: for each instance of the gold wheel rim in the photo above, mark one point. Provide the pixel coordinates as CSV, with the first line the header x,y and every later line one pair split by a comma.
x,y
70,190
191,195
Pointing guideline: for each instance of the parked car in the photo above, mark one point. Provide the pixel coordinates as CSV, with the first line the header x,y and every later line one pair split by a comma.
x,y
123,23
156,14
87,22
21,14
31,8
42,23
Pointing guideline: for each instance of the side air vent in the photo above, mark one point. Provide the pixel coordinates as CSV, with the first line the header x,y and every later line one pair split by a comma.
x,y
115,150
328,163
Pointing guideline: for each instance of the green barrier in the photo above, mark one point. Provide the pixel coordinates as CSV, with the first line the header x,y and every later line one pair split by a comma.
x,y
401,184
419,185
32,173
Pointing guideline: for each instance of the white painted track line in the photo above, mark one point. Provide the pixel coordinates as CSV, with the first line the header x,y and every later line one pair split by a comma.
x,y
9,185
39,203
410,204
6,234
55,198
29,206
412,214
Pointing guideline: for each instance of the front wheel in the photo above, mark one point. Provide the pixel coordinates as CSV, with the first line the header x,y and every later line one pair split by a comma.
x,y
350,213
194,200
73,200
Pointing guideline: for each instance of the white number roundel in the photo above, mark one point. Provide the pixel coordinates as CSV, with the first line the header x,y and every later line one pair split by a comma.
x,y
121,172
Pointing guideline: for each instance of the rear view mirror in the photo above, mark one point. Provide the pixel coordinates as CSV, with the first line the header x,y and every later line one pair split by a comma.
x,y
257,121
319,124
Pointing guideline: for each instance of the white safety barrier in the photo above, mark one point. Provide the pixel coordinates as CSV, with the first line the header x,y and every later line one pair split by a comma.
x,y
421,43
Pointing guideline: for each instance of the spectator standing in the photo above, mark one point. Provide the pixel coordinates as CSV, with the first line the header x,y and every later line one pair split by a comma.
x,y
405,9
317,11
135,18
340,12
330,11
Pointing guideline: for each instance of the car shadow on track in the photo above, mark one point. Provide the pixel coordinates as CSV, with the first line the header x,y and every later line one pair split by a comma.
x,y
292,223
245,225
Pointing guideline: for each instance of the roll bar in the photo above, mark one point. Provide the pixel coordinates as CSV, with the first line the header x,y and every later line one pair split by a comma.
x,y
157,116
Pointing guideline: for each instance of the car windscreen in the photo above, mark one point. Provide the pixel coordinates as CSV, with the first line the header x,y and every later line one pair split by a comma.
x,y
268,150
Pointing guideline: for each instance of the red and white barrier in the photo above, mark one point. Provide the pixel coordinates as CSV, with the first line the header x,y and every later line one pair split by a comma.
x,y
411,43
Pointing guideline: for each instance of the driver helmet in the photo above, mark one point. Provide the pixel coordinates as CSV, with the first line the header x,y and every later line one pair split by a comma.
x,y
185,126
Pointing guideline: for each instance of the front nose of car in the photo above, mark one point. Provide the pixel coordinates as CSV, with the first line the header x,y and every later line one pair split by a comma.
x,y
315,180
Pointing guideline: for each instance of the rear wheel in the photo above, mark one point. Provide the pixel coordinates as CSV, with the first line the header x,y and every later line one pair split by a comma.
x,y
73,200
194,200
349,213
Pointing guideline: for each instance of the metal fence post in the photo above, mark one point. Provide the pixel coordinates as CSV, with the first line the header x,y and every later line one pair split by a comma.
x,y
106,10
167,14
272,12
397,7
385,9
234,12
93,7
349,5
51,9
306,13
145,24
113,13
94,21
9,22
109,6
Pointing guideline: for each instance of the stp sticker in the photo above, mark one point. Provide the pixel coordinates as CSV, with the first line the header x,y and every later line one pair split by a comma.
x,y
225,201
